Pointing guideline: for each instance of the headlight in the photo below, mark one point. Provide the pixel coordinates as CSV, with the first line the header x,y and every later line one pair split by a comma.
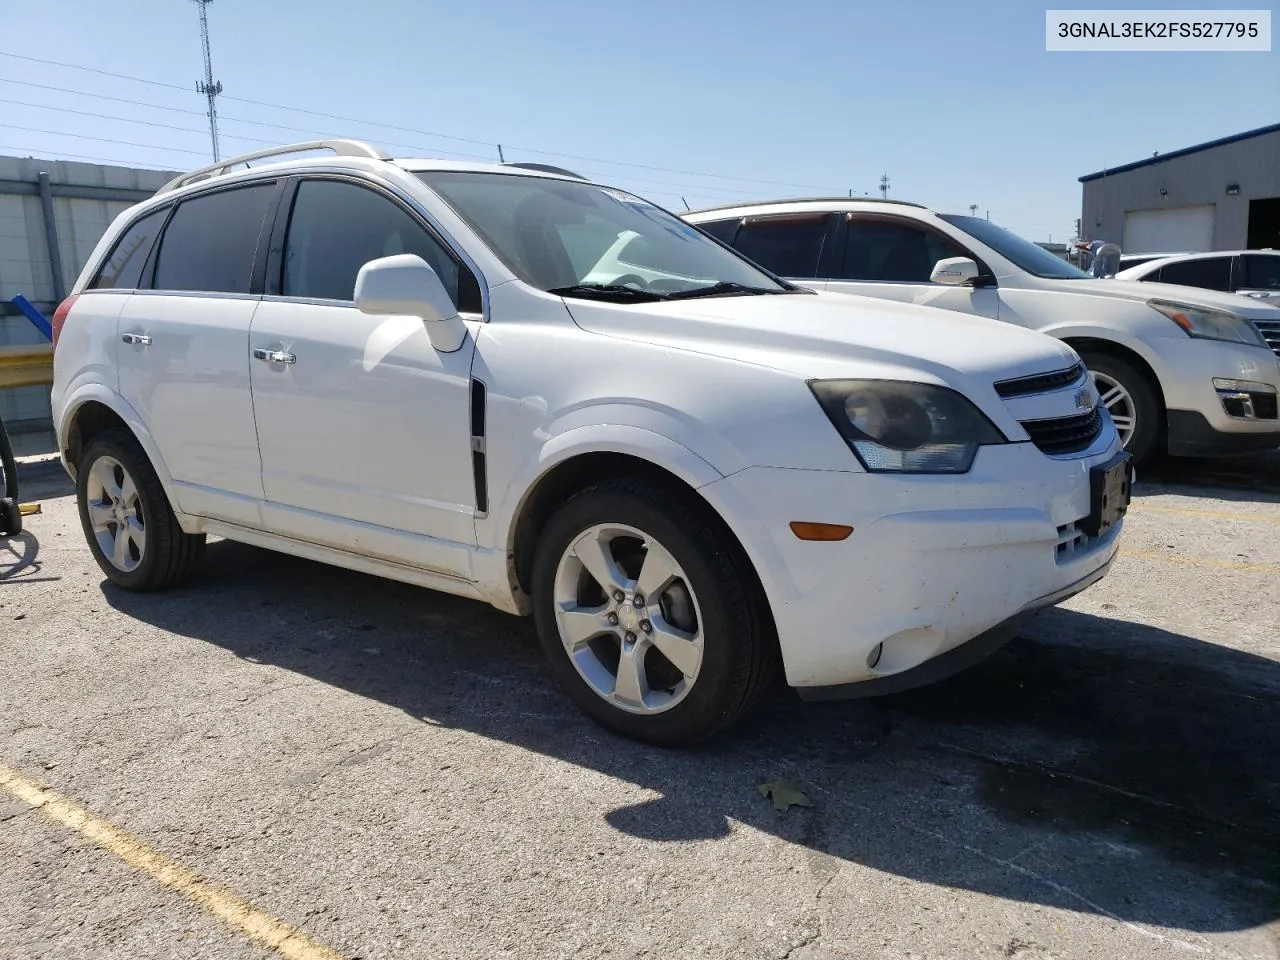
x,y
1209,324
896,427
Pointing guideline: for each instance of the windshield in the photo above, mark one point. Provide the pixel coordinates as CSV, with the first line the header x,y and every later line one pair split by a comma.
x,y
579,239
1024,254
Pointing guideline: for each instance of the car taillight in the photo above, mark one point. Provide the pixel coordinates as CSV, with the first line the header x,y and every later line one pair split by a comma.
x,y
60,317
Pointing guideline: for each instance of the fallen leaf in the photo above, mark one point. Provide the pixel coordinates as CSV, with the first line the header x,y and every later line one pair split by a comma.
x,y
784,795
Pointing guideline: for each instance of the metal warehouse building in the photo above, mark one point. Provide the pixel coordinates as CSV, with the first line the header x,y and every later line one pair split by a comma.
x,y
52,214
1221,195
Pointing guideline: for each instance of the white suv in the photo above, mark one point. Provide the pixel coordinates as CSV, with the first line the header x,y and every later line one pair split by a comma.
x,y
1182,370
401,367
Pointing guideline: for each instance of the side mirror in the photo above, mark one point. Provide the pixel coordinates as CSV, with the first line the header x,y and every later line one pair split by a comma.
x,y
405,285
954,271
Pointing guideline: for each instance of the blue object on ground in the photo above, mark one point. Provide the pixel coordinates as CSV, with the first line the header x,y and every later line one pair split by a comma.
x,y
35,316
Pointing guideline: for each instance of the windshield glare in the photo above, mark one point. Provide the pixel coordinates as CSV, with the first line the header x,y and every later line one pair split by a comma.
x,y
554,234
1023,254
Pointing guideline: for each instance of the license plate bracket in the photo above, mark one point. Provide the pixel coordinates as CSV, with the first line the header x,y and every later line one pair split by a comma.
x,y
1109,494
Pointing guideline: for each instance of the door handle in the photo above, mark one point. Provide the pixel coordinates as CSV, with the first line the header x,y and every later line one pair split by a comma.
x,y
273,356
141,339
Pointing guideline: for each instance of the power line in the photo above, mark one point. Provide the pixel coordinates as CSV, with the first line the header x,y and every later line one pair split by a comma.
x,y
123,143
425,133
29,151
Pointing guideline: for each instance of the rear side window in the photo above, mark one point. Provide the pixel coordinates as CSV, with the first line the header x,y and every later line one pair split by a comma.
x,y
123,268
1210,273
787,246
1261,272
337,227
885,252
722,230
211,241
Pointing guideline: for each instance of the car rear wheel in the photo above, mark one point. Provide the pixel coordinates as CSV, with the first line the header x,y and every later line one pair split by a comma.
x,y
1129,399
126,516
648,614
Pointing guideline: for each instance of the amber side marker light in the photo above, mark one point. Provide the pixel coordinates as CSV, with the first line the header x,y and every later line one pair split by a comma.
x,y
807,530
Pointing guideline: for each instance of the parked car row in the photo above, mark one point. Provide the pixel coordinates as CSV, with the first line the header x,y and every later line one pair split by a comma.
x,y
1182,370
519,386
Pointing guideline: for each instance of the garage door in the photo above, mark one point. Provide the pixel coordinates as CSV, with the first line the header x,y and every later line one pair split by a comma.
x,y
1180,230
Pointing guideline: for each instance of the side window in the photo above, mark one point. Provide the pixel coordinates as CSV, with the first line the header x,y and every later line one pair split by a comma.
x,y
1211,273
1261,272
722,230
123,268
337,227
211,240
789,246
882,251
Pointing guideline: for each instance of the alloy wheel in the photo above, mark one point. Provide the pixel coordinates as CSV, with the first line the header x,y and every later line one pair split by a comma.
x,y
115,514
628,618
1119,403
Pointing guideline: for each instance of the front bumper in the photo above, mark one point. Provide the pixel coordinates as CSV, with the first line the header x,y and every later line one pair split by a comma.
x,y
933,563
1199,421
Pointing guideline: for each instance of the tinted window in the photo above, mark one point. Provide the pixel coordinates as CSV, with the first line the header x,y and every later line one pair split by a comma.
x,y
720,229
1261,272
123,268
211,240
1211,273
337,227
886,252
787,246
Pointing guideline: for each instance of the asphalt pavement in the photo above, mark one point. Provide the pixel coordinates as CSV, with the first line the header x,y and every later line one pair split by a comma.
x,y
381,771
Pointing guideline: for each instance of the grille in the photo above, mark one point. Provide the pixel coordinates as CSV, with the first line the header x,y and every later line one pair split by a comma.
x,y
1042,382
1264,405
1270,330
1065,434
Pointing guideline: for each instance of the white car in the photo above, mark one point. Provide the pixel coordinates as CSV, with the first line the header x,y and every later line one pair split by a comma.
x,y
1182,370
401,367
1253,273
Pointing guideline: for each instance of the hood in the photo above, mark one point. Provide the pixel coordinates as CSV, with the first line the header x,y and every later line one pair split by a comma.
x,y
835,335
1143,291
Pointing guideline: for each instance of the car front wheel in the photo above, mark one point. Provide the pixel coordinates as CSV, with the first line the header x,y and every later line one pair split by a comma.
x,y
648,614
1130,400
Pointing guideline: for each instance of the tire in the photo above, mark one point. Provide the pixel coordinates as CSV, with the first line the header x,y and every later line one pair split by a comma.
x,y
1147,432
8,467
708,592
156,554
10,518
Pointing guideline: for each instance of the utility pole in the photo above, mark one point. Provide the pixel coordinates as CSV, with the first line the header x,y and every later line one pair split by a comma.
x,y
884,186
208,86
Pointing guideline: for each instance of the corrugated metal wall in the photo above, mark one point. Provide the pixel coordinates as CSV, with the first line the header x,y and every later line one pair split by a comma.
x,y
1197,178
25,266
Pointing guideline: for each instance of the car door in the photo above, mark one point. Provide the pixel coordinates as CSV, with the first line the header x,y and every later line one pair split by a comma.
x,y
789,245
892,257
1208,273
363,426
184,355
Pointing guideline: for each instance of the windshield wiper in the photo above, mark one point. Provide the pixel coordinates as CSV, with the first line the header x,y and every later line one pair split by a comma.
x,y
608,291
724,288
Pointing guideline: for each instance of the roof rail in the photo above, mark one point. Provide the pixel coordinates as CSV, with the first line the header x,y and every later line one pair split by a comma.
x,y
547,168
778,203
341,148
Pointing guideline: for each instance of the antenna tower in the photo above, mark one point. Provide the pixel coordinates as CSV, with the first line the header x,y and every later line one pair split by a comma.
x,y
208,86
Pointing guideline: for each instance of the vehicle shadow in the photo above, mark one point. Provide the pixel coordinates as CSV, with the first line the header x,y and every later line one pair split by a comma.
x,y
1254,478
1093,764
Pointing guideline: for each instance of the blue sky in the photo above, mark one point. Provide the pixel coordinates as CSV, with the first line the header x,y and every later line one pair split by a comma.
x,y
958,103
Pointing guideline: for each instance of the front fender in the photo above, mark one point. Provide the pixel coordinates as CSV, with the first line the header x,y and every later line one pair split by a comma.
x,y
1106,334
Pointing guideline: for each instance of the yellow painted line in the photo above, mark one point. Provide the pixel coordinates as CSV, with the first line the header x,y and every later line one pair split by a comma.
x,y
1217,514
1201,561
261,928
